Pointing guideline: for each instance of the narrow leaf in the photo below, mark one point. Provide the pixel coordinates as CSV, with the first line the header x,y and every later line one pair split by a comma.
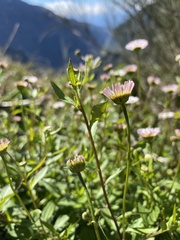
x,y
35,214
174,214
97,111
33,181
117,172
37,167
61,222
61,95
71,74
94,128
48,211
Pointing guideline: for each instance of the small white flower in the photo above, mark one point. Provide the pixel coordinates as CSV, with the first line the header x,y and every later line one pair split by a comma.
x,y
59,104
130,68
30,79
177,132
132,100
165,115
170,88
177,59
148,132
137,44
153,80
162,159
119,93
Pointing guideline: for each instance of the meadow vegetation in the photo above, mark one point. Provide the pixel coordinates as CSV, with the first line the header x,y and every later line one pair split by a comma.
x,y
91,154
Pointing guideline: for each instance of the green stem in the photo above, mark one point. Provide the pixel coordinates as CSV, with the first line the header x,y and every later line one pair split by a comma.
x,y
90,206
127,168
17,195
14,191
139,74
24,177
99,167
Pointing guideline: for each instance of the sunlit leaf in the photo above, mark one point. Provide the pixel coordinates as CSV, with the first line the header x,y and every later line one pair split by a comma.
x,y
61,222
116,173
94,129
174,214
154,214
177,115
71,74
49,226
37,167
34,180
5,194
97,111
48,211
35,214
61,95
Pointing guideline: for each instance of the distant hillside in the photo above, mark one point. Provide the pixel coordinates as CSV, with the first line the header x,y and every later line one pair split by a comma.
x,y
159,23
43,37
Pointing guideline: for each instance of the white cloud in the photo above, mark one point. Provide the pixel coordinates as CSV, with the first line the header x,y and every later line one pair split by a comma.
x,y
74,9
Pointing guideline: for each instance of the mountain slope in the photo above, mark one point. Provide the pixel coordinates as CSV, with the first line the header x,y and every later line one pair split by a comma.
x,y
43,37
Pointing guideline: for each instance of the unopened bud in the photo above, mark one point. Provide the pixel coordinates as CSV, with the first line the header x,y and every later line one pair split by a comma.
x,y
86,216
77,164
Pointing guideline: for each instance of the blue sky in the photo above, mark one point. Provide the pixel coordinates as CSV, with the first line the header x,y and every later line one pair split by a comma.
x,y
98,12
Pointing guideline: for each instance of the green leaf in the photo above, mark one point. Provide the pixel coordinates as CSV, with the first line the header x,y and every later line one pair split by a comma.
x,y
174,214
61,222
163,225
94,128
143,230
37,167
61,95
35,214
117,172
71,74
48,211
154,214
33,181
5,195
97,111
50,227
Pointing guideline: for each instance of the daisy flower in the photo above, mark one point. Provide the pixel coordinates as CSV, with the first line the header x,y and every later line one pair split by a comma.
x,y
137,45
148,132
119,93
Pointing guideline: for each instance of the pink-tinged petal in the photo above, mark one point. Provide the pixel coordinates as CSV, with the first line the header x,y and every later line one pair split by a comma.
x,y
177,132
137,44
119,93
107,92
128,86
153,80
148,132
170,88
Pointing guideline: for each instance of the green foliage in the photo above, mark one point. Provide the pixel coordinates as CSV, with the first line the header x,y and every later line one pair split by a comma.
x,y
41,199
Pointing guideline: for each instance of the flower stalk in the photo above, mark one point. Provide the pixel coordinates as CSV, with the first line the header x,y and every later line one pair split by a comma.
x,y
12,187
98,167
90,206
119,94
127,168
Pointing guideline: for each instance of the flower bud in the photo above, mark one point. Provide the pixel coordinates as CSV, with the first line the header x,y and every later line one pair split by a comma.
x,y
77,164
86,216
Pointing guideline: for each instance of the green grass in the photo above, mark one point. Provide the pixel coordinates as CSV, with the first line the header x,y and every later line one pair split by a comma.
x,y
40,198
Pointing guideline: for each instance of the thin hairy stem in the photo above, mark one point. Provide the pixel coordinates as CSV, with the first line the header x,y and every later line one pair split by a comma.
x,y
127,169
13,189
91,207
99,168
